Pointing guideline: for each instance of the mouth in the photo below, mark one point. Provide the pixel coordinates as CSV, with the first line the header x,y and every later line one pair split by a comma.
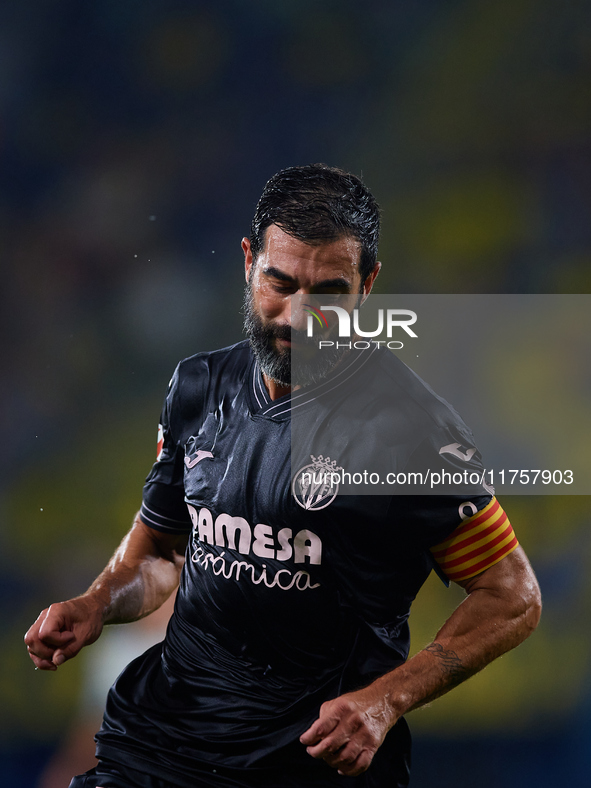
x,y
296,344
294,341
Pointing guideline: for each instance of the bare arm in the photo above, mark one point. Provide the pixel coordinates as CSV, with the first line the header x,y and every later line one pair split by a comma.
x,y
140,576
501,610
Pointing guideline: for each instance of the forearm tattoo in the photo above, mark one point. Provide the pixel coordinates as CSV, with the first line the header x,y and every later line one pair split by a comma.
x,y
454,672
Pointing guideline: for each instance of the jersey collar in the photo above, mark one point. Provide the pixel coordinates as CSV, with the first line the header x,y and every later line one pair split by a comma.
x,y
281,409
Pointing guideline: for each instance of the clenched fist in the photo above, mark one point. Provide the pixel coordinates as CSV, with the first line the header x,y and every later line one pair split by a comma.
x,y
349,730
61,630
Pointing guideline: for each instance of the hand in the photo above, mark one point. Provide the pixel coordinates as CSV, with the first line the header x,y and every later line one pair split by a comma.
x,y
349,730
61,631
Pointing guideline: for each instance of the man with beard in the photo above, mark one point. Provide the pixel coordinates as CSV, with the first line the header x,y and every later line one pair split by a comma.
x,y
284,663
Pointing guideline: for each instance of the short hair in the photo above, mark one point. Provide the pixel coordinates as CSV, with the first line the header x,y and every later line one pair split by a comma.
x,y
317,204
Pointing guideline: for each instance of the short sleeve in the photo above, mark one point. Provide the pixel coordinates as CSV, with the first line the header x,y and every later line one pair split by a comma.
x,y
454,492
431,519
163,505
448,462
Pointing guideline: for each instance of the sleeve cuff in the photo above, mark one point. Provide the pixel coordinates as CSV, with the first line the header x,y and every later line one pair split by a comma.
x,y
165,523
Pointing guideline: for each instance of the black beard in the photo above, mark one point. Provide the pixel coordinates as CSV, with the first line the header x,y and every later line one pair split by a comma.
x,y
275,362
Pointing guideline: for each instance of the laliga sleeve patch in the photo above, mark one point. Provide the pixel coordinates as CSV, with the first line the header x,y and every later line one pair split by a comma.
x,y
481,541
160,444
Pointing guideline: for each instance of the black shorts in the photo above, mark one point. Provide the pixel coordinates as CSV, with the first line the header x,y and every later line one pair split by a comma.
x,y
388,770
108,774
111,775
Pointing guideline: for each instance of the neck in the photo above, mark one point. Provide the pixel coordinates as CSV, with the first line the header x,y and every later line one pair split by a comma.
x,y
275,389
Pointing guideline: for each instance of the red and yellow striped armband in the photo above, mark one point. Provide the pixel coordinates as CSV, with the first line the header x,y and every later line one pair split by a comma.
x,y
478,543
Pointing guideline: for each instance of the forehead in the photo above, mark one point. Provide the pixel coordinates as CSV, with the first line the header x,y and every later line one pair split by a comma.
x,y
336,258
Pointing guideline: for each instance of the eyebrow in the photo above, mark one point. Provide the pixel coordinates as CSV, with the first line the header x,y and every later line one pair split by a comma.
x,y
338,282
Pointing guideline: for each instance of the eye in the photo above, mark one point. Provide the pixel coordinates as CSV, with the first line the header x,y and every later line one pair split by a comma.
x,y
282,288
329,297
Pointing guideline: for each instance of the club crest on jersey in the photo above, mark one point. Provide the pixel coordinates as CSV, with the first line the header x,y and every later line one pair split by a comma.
x,y
315,486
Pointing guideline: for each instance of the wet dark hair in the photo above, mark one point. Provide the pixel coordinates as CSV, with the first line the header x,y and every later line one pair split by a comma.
x,y
318,204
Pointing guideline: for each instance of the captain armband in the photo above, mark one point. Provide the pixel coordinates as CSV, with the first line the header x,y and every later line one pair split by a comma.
x,y
477,544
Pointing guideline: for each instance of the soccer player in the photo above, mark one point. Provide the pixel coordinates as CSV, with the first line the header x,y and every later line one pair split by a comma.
x,y
285,661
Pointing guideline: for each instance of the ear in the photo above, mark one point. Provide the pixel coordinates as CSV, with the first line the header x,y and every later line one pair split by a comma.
x,y
247,257
368,284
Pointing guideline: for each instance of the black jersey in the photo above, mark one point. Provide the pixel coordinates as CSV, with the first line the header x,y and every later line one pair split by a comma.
x,y
290,594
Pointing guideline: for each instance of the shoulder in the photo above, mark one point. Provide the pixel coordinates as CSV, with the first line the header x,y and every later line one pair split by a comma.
x,y
431,428
396,382
206,376
232,361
